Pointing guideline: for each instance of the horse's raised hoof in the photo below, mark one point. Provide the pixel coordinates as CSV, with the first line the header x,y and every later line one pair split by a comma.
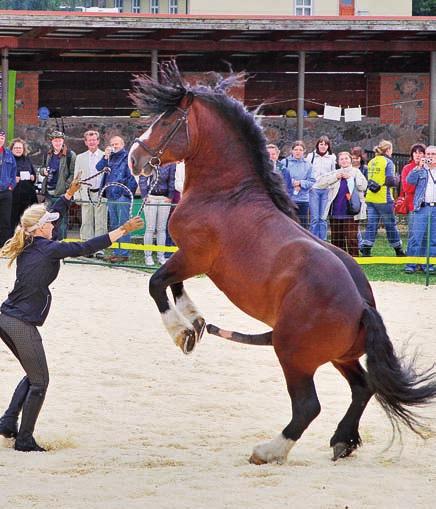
x,y
341,450
255,460
189,341
199,325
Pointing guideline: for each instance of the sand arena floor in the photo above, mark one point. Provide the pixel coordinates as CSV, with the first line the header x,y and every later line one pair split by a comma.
x,y
131,423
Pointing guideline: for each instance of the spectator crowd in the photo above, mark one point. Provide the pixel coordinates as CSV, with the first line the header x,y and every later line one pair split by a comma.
x,y
338,193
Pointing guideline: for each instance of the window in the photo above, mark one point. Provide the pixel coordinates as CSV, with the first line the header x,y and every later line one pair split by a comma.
x,y
136,6
120,5
174,7
303,7
154,6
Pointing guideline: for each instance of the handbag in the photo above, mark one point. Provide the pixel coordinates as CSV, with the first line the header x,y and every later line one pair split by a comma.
x,y
353,202
400,205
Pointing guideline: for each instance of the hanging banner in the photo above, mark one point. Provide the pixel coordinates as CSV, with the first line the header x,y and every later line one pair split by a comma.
x,y
11,101
353,114
332,112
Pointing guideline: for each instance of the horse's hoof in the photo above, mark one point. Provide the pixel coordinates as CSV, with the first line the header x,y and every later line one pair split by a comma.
x,y
189,341
199,325
341,450
255,460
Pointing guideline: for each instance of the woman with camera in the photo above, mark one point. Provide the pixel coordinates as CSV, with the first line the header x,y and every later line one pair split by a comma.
x,y
24,193
380,200
58,173
26,308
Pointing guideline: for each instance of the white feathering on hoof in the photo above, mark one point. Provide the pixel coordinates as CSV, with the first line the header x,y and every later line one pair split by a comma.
x,y
276,450
187,308
175,323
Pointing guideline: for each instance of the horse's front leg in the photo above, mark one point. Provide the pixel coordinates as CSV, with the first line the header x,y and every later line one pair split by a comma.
x,y
188,309
183,321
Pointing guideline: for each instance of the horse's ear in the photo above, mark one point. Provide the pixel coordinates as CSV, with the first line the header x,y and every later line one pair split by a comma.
x,y
187,100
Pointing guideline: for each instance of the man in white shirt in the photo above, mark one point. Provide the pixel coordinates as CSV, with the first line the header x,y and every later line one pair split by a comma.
x,y
94,219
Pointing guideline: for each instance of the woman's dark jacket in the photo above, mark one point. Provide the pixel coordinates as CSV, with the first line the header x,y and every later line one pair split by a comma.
x,y
38,266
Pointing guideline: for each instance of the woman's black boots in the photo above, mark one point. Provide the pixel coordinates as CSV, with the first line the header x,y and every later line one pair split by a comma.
x,y
32,405
9,420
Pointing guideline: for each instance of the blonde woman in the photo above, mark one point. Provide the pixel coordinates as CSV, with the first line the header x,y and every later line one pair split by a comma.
x,y
26,308
380,200
341,184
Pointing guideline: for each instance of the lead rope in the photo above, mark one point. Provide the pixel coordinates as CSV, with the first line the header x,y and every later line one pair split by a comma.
x,y
117,184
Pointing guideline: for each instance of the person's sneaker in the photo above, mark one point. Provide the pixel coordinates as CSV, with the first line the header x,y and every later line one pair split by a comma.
x,y
161,260
149,261
399,251
410,270
99,255
431,269
365,251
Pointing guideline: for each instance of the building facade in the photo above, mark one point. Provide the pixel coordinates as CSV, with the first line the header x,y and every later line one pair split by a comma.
x,y
302,7
149,6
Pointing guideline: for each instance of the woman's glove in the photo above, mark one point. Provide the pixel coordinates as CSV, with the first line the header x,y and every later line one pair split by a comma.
x,y
74,186
133,224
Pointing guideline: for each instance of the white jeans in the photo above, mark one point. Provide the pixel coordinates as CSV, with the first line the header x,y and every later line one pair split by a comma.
x,y
156,217
94,221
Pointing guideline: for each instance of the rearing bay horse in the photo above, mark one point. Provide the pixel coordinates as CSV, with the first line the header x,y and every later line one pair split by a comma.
x,y
236,224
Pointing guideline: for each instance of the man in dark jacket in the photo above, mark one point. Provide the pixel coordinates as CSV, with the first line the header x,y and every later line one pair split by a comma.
x,y
116,157
8,172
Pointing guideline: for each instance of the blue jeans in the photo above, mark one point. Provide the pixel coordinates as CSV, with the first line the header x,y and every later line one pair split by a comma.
x,y
418,233
118,215
303,212
317,204
62,226
384,212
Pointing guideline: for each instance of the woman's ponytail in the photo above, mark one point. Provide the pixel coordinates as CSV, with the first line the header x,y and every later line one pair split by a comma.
x,y
15,245
22,238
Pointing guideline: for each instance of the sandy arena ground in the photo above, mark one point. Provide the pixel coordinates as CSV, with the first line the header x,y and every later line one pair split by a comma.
x,y
132,423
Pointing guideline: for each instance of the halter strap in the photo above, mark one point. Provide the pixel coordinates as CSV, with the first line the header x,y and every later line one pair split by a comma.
x,y
155,154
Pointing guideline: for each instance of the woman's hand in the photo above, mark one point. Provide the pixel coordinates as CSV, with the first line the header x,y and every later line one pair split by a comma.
x,y
135,223
167,200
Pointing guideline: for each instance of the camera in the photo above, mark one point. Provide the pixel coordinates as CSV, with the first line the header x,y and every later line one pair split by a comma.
x,y
373,186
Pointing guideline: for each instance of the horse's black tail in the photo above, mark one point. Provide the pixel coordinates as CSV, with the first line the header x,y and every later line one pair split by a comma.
x,y
395,383
248,339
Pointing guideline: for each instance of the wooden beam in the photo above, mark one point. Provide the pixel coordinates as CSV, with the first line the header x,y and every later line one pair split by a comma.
x,y
211,45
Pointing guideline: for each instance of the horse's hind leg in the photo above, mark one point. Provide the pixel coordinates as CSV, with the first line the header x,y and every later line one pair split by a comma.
x,y
187,308
346,437
305,407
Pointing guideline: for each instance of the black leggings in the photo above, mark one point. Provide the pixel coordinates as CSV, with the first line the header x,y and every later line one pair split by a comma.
x,y
25,343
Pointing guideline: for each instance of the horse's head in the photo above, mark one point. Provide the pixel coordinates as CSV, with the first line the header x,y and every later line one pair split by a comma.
x,y
165,141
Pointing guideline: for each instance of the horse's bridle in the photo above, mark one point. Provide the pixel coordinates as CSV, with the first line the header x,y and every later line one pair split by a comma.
x,y
155,162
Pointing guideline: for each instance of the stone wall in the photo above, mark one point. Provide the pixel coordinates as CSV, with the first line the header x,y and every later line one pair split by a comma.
x,y
344,135
279,130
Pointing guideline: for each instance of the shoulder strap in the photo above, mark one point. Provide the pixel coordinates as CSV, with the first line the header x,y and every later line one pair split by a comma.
x,y
313,157
69,157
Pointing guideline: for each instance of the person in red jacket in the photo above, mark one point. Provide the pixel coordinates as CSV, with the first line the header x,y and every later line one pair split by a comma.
x,y
417,152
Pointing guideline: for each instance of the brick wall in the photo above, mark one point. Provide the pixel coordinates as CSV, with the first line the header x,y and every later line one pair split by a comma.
x,y
411,92
26,98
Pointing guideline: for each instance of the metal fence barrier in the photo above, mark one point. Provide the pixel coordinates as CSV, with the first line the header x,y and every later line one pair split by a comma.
x,y
382,262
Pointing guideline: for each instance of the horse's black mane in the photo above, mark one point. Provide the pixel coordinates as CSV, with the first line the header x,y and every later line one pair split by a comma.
x,y
151,97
